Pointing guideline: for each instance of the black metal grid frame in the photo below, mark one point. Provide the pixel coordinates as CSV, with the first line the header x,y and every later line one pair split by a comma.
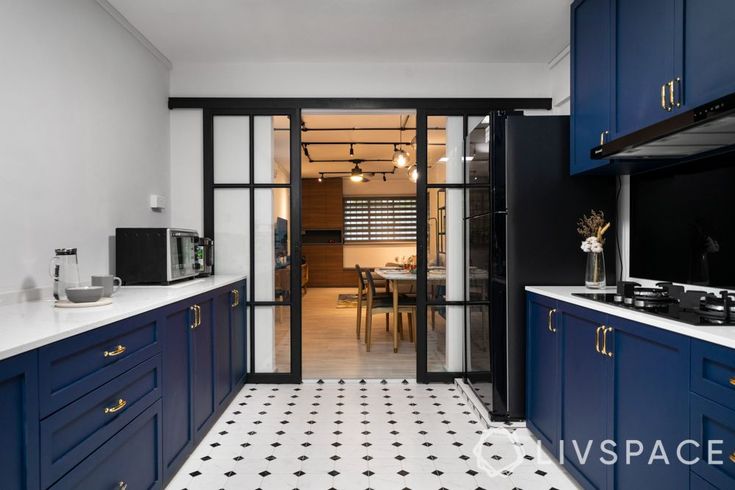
x,y
292,107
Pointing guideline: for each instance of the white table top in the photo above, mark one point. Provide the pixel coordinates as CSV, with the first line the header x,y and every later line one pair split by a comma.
x,y
27,326
392,274
724,336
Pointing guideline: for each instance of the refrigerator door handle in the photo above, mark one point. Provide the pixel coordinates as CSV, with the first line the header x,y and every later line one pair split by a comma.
x,y
501,212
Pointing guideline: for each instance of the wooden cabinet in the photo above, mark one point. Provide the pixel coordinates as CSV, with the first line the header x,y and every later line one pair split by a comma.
x,y
321,204
591,65
19,413
543,410
326,266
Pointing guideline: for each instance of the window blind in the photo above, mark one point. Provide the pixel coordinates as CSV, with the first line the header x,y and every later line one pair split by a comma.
x,y
379,219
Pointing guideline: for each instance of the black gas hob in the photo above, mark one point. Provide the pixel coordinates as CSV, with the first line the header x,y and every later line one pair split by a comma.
x,y
671,301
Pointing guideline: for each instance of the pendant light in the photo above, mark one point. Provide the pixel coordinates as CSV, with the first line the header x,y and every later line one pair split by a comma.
x,y
356,174
413,173
400,157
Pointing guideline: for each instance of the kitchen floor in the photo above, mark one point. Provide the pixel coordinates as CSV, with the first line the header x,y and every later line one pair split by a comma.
x,y
378,434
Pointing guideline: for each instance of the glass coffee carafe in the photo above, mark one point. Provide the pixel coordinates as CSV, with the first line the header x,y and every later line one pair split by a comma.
x,y
64,269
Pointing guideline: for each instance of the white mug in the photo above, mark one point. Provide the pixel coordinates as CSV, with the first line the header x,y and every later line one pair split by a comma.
x,y
110,284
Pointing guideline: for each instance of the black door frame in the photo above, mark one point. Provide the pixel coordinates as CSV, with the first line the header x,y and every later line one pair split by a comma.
x,y
293,107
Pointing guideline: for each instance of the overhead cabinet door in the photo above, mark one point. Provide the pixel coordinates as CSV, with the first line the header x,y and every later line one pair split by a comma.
x,y
645,46
591,74
708,39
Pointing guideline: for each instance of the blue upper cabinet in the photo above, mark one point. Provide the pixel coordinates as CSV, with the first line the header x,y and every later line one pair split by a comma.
x,y
645,62
707,62
635,63
591,59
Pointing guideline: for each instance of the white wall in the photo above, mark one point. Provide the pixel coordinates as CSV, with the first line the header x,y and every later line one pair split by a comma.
x,y
559,74
83,136
187,153
360,80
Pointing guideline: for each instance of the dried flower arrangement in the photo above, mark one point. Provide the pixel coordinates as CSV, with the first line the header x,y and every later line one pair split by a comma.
x,y
592,228
408,264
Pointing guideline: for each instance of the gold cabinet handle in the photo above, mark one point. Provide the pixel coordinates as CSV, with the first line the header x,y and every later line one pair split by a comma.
x,y
732,381
116,351
604,342
236,297
199,315
663,97
122,485
678,91
671,96
732,457
550,324
602,136
194,323
120,405
597,337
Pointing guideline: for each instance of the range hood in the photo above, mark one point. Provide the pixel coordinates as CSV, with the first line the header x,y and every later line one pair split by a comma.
x,y
700,130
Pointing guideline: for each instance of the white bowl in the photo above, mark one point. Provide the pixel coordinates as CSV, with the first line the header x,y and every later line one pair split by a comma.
x,y
84,294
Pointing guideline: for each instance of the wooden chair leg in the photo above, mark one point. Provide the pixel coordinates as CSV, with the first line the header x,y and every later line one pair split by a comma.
x,y
387,322
368,330
410,327
359,314
400,325
433,318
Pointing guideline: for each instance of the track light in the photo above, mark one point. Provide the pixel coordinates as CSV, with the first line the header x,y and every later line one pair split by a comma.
x,y
352,151
384,179
321,177
356,174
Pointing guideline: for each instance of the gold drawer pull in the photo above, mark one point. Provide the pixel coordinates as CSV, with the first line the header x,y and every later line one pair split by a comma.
x,y
118,350
236,297
732,381
550,321
732,457
120,405
122,485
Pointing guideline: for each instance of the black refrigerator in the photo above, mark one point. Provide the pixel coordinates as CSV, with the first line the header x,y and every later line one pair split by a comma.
x,y
535,205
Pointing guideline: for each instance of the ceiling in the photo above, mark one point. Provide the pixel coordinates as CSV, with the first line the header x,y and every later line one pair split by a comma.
x,y
395,31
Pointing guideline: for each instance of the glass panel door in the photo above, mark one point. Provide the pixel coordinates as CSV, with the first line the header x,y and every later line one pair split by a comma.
x,y
254,221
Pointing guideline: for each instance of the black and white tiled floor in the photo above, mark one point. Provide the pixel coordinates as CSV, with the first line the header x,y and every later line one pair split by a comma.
x,y
352,435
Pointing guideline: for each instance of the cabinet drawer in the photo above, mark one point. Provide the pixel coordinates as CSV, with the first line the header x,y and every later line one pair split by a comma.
x,y
713,372
131,459
73,367
74,432
713,422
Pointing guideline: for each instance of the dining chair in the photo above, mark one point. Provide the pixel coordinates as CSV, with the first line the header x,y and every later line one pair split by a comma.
x,y
382,304
362,294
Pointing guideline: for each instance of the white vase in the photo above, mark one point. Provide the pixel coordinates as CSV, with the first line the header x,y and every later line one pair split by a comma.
x,y
594,276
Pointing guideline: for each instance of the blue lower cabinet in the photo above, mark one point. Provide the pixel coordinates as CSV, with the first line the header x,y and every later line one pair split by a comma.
x,y
76,431
178,432
651,388
19,411
713,425
586,394
543,397
73,367
696,482
713,372
131,459
222,304
238,343
202,344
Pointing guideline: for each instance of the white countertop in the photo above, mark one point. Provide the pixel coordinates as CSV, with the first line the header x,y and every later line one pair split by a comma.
x,y
724,336
29,325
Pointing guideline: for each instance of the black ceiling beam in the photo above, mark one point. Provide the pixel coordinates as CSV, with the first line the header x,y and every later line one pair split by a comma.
x,y
354,160
449,106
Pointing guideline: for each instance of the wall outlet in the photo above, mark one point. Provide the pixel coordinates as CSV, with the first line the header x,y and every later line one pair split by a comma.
x,y
157,202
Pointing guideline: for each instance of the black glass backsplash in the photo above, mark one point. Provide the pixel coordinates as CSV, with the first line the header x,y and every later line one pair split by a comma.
x,y
682,223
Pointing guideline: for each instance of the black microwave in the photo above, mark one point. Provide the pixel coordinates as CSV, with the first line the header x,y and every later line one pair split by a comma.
x,y
155,255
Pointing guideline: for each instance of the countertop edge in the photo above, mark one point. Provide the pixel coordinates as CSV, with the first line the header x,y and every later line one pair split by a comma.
x,y
186,293
724,336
